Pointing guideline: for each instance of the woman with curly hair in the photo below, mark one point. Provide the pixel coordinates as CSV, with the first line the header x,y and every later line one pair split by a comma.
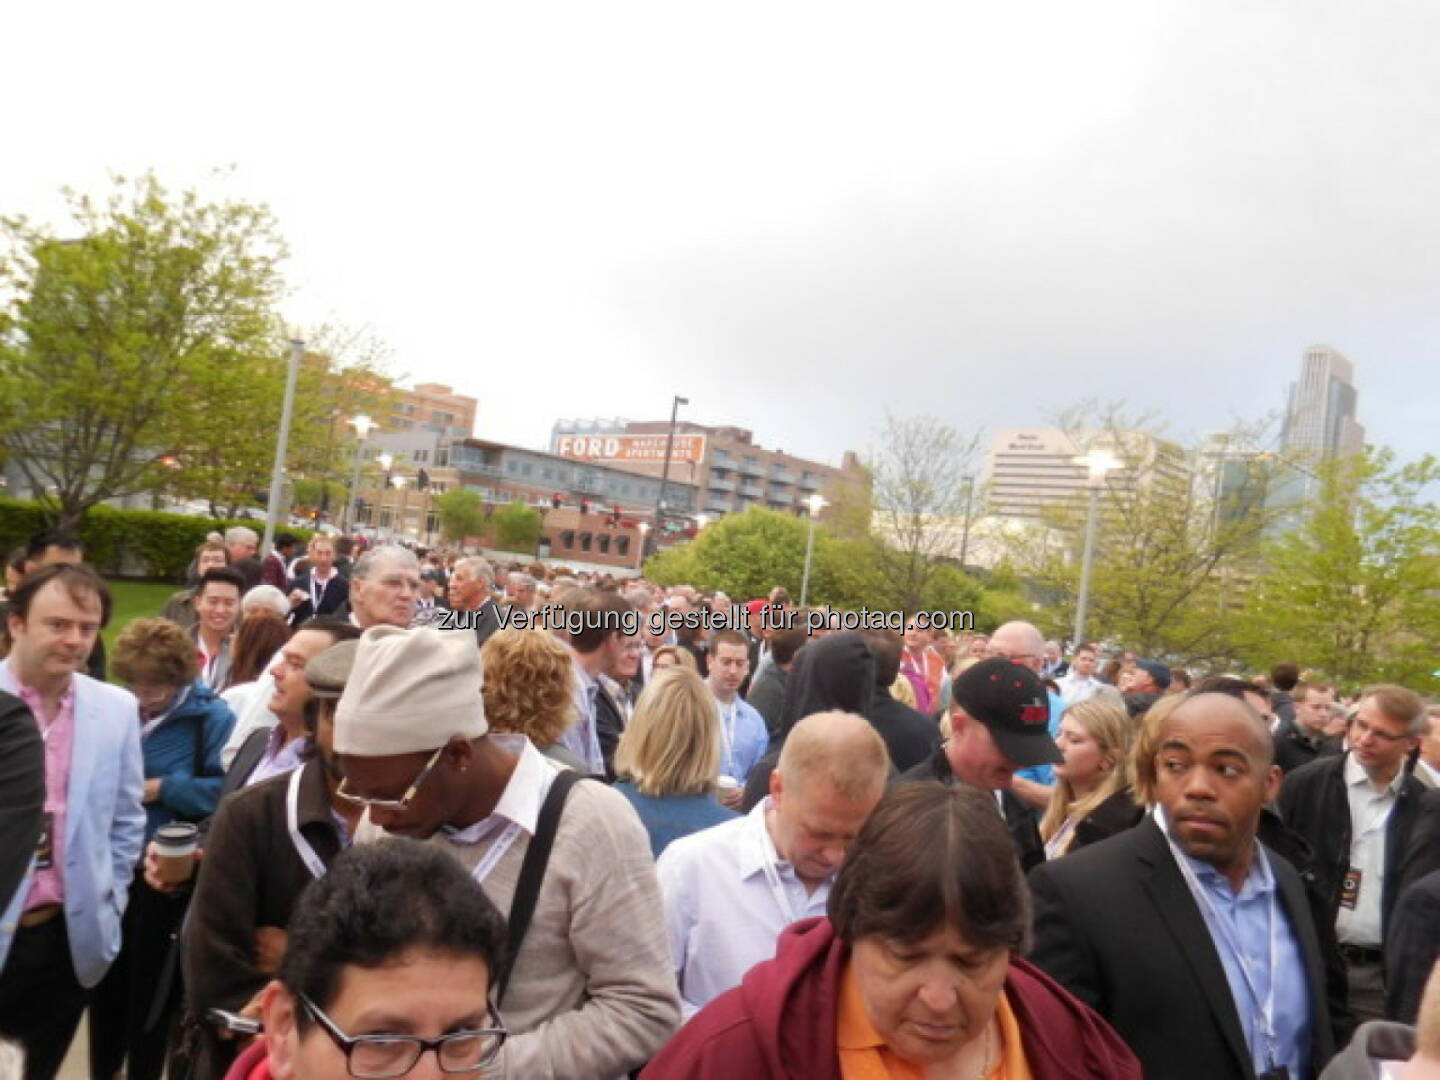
x,y
527,690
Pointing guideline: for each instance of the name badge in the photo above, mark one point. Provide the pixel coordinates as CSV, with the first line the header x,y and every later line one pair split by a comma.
x,y
1350,888
45,843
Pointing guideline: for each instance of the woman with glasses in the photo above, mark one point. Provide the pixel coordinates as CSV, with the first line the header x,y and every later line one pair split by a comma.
x,y
387,973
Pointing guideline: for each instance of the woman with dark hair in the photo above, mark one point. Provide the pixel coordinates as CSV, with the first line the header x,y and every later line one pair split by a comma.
x,y
914,972
260,637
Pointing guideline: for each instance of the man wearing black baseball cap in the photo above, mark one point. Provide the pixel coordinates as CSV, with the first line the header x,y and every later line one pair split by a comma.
x,y
999,722
1148,683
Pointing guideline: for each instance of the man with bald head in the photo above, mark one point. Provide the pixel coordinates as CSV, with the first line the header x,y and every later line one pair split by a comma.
x,y
1022,643
731,889
1191,937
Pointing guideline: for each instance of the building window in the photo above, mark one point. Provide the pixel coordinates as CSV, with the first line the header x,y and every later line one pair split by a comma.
x,y
567,539
622,546
547,473
442,457
585,541
604,544
526,469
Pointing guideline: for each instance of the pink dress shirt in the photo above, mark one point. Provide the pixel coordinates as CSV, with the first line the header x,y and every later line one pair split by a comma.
x,y
48,886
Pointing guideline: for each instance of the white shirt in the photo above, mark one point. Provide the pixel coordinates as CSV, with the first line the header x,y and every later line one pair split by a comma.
x,y
250,702
1426,773
522,798
722,910
580,738
1369,814
1077,688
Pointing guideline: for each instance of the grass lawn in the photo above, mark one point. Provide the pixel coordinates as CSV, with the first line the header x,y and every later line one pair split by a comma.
x,y
132,600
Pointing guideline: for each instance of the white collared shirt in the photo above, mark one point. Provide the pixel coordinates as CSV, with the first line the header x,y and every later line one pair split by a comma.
x,y
1369,814
522,798
722,913
580,738
1077,688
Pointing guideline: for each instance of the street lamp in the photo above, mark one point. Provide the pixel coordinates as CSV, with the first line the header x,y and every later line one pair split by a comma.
x,y
675,404
1099,462
282,442
363,425
815,503
644,532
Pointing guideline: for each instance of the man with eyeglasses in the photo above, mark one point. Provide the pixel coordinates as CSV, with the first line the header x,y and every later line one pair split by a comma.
x,y
1357,811
388,973
592,993
384,588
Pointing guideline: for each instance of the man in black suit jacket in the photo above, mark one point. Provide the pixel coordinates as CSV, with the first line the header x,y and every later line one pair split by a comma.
x,y
910,736
1126,924
22,792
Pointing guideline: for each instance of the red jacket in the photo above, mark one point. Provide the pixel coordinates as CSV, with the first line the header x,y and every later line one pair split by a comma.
x,y
780,1022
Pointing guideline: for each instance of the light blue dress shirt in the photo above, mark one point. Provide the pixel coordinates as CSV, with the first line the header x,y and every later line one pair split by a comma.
x,y
1243,921
743,738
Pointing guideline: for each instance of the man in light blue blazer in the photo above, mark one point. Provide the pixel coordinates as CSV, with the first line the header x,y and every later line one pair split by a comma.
x,y
61,930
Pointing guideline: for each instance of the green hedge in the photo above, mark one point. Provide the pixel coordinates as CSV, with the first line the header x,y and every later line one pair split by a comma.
x,y
163,544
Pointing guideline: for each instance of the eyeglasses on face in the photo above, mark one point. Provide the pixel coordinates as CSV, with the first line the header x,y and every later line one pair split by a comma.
x,y
1359,729
383,1057
396,805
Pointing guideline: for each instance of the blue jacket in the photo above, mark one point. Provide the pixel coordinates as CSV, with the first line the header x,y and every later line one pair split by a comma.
x,y
170,755
103,826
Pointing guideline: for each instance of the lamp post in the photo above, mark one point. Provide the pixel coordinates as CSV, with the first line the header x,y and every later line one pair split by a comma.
x,y
363,426
640,559
965,532
1099,463
675,404
815,503
282,442
398,483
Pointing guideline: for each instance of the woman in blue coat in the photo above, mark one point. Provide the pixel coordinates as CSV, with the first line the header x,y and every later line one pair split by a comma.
x,y
183,727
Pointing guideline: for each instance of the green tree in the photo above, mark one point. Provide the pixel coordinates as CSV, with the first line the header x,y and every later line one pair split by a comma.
x,y
1354,589
517,527
116,338
460,514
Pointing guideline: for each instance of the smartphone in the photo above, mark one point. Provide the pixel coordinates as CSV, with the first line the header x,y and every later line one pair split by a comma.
x,y
229,1021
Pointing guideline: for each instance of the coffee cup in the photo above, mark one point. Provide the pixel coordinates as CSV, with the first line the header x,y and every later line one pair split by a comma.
x,y
175,846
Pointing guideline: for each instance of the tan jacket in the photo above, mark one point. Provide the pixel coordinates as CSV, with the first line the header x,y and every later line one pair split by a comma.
x,y
593,994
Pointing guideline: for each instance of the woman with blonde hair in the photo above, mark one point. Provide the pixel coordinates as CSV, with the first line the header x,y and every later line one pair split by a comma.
x,y
668,759
1092,798
529,679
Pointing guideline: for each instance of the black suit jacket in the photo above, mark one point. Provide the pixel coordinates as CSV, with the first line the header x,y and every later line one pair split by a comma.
x,y
335,596
1117,926
22,792
910,735
485,619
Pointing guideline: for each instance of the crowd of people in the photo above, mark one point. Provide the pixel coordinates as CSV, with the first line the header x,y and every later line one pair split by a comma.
x,y
341,812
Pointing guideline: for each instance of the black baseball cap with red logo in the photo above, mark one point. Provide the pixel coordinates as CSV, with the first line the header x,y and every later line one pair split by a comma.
x,y
1009,699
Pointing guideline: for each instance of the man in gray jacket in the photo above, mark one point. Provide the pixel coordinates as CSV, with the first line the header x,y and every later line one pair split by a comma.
x,y
592,992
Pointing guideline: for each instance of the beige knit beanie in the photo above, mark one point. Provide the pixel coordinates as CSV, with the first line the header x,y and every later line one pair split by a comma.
x,y
410,691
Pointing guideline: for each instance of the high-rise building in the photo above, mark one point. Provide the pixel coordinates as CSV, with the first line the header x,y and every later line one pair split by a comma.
x,y
1031,471
1319,420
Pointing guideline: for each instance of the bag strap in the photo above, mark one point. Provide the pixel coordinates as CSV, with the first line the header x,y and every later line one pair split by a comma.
x,y
532,873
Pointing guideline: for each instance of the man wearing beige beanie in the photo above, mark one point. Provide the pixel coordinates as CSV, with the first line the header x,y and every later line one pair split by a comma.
x,y
590,992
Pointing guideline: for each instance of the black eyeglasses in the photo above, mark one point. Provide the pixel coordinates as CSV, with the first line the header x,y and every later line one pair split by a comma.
x,y
383,1057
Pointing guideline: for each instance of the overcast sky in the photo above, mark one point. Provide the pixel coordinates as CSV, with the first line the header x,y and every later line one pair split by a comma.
x,y
799,215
